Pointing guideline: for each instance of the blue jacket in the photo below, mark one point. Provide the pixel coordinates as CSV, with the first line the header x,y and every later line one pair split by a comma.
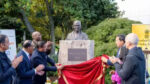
x,y
133,69
41,58
25,72
6,71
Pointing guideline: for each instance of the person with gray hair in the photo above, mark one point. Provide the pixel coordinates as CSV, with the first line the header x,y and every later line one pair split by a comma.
x,y
132,39
132,71
77,34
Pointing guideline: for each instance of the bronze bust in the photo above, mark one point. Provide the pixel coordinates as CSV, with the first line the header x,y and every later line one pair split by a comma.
x,y
77,34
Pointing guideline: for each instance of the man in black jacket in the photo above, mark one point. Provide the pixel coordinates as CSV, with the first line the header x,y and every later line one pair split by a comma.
x,y
122,50
133,69
7,68
40,57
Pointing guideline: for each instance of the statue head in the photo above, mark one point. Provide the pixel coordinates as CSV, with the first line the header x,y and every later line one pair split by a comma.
x,y
76,26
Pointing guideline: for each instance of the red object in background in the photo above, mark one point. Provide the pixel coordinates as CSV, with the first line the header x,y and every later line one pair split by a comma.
x,y
89,72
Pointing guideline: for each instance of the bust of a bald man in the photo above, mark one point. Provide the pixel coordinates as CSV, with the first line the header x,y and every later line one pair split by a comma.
x,y
77,34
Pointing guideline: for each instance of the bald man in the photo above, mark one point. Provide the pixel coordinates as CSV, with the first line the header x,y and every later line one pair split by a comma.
x,y
77,34
36,36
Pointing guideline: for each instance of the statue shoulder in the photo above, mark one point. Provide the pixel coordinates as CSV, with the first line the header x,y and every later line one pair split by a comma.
x,y
85,36
69,36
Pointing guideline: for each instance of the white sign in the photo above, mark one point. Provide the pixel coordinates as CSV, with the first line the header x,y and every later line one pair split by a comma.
x,y
11,52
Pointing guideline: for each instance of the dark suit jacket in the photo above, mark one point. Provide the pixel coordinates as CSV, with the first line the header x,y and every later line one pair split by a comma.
x,y
25,72
122,55
133,69
6,71
41,58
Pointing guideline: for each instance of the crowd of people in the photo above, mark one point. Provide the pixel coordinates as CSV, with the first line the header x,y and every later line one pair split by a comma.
x,y
31,63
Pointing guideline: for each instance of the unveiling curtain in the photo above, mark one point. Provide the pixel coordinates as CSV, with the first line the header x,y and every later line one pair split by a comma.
x,y
89,72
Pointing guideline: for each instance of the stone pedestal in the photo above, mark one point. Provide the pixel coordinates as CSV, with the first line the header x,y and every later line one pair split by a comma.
x,y
75,51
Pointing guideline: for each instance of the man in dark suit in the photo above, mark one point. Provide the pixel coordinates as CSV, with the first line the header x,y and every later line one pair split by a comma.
x,y
121,54
25,72
132,71
7,68
122,50
40,57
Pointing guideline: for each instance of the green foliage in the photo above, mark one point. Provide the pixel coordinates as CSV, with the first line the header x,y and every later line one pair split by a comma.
x,y
107,75
106,48
9,18
90,12
51,73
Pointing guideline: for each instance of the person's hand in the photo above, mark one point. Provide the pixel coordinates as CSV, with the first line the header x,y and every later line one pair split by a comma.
x,y
59,66
40,73
17,61
113,59
112,72
119,61
39,68
104,59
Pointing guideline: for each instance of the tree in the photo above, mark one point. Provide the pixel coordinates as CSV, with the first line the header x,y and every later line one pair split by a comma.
x,y
51,21
90,12
9,18
23,7
26,21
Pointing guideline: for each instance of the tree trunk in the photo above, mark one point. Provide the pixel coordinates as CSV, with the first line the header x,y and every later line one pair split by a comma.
x,y
63,32
51,21
26,22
